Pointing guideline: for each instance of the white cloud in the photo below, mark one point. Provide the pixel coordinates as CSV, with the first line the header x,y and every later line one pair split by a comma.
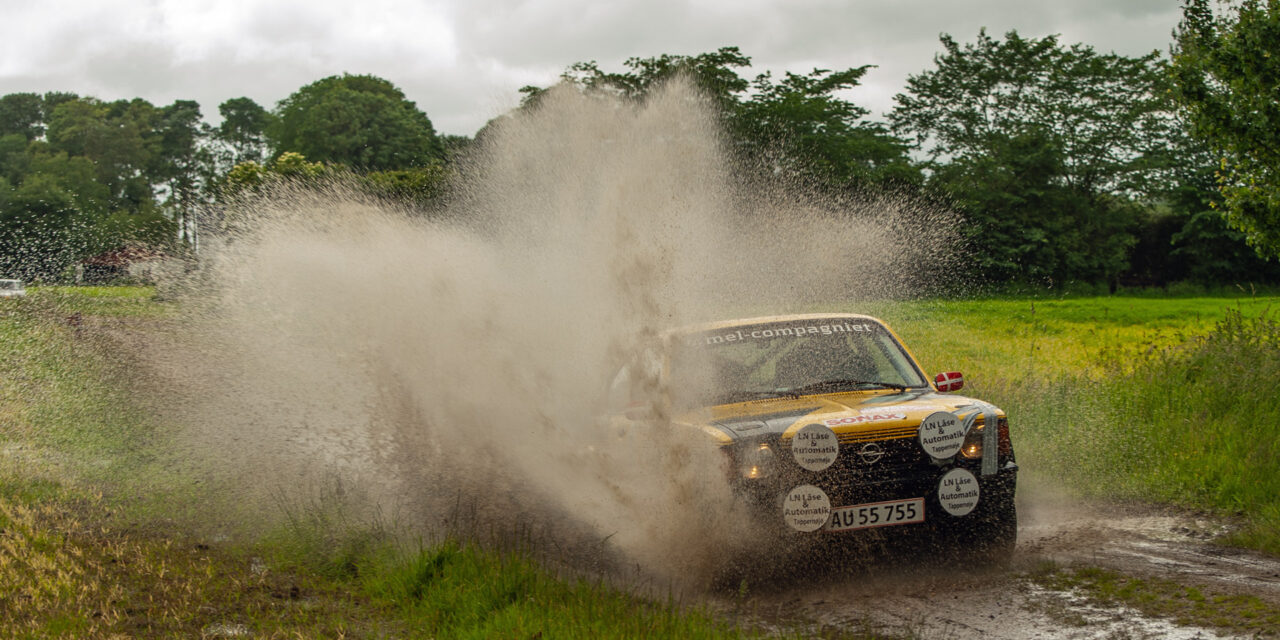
x,y
462,62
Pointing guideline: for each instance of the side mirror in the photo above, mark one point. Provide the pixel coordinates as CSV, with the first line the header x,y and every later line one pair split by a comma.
x,y
949,381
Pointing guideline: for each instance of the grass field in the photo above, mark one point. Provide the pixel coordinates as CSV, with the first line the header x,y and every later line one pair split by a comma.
x,y
1093,337
1146,398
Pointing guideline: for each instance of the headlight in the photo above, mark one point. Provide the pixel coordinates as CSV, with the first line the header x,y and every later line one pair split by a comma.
x,y
972,446
756,461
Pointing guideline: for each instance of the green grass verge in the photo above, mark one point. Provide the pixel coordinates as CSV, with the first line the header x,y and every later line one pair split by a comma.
x,y
458,591
61,413
134,301
67,570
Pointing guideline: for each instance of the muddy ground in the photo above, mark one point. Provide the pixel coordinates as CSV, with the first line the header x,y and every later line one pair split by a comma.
x,y
905,598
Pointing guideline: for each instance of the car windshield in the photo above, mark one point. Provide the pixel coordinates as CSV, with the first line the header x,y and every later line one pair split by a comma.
x,y
788,358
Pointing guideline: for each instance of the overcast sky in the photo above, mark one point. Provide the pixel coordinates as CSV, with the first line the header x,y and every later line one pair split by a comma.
x,y
462,61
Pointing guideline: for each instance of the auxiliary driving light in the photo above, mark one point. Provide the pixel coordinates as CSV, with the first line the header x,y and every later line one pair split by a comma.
x,y
972,446
757,462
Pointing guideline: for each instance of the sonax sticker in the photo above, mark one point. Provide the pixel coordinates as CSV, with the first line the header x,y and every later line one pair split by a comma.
x,y
864,418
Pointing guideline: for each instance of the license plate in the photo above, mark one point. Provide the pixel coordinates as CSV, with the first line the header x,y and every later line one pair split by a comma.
x,y
877,514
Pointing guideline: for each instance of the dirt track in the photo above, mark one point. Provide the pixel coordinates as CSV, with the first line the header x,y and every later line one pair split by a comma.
x,y
922,602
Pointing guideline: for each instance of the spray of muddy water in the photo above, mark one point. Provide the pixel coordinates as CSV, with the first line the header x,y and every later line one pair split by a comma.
x,y
460,367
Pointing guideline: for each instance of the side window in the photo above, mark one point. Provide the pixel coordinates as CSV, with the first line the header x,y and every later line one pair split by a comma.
x,y
893,367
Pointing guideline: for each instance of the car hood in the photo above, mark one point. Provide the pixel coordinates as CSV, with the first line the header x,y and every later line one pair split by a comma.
x,y
852,416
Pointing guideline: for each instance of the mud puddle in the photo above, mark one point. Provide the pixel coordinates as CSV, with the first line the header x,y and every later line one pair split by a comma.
x,y
907,597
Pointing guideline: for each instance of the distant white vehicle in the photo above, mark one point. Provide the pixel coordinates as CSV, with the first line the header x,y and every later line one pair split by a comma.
x,y
12,289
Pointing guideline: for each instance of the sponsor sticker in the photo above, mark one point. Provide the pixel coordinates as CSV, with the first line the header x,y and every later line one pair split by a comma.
x,y
815,447
941,434
806,508
755,332
958,492
865,418
892,408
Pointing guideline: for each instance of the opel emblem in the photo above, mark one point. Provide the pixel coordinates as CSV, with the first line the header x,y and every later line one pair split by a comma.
x,y
871,452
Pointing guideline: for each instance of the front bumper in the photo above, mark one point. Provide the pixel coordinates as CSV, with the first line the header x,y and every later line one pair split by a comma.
x,y
904,473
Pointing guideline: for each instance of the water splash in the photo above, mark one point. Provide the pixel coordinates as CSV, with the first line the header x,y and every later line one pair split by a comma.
x,y
459,364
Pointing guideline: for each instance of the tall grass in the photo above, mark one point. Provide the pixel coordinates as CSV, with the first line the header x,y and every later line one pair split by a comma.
x,y
1195,424
1207,417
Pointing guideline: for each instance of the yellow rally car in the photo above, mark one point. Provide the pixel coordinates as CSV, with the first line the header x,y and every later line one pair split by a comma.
x,y
830,426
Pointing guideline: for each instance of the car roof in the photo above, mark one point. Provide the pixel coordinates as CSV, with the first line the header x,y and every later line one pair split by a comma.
x,y
745,322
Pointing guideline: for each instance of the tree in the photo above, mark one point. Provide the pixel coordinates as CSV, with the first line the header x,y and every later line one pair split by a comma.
x,y
798,125
80,176
421,187
76,175
21,113
1008,195
1087,131
1106,112
819,134
1227,79
251,176
42,230
244,130
177,161
51,100
118,137
455,146
713,73
362,122
14,161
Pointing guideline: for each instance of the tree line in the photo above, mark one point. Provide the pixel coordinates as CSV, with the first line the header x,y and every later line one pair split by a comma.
x,y
1065,164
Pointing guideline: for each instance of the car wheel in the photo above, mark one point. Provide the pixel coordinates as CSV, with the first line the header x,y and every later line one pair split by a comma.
x,y
994,535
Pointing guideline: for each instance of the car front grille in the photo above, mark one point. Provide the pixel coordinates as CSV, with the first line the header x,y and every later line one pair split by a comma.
x,y
868,468
874,470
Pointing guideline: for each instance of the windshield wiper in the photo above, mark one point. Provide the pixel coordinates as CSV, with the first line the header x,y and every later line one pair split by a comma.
x,y
742,395
846,382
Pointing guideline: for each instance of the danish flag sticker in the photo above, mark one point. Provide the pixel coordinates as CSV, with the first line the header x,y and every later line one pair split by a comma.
x,y
949,381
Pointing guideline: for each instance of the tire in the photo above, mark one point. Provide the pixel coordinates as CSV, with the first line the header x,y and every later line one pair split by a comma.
x,y
993,536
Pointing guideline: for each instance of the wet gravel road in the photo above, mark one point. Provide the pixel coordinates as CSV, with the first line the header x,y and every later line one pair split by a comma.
x,y
914,600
